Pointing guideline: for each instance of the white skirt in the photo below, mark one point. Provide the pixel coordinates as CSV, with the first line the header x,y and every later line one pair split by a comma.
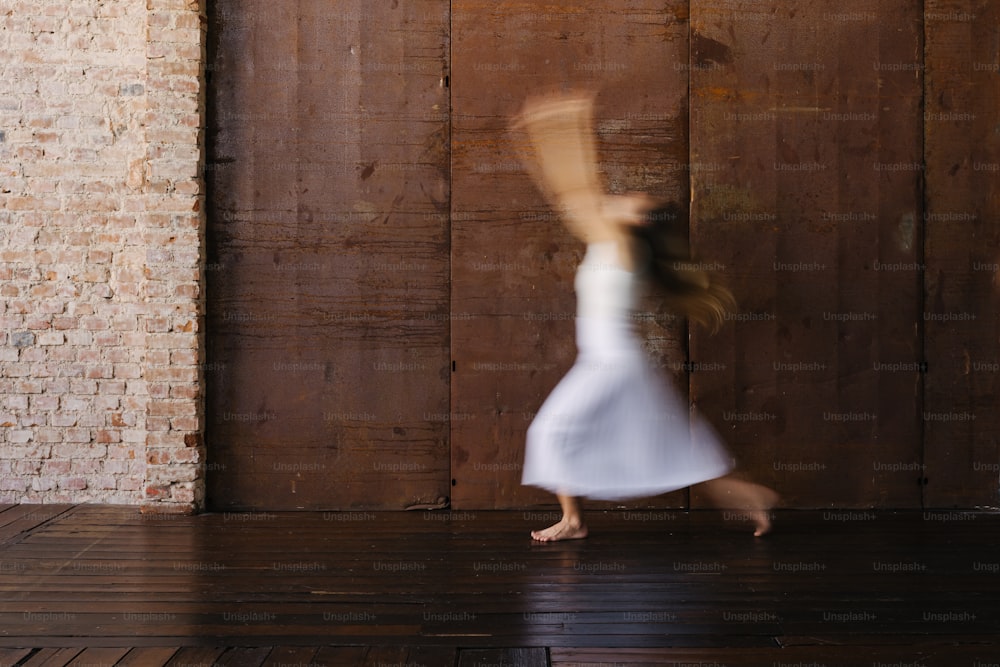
x,y
614,428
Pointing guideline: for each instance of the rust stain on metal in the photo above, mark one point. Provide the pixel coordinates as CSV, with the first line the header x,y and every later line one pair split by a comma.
x,y
707,51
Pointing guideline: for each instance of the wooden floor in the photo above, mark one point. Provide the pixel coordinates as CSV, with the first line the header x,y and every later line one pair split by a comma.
x,y
97,585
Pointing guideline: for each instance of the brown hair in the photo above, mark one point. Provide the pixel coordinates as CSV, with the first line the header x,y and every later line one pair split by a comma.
x,y
685,285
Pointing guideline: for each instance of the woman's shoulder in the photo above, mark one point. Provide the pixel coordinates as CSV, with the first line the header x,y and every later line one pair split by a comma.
x,y
618,253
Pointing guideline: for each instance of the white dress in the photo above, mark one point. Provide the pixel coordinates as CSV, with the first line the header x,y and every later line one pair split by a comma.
x,y
614,428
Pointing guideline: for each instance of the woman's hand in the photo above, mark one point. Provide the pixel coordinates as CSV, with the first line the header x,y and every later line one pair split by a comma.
x,y
628,210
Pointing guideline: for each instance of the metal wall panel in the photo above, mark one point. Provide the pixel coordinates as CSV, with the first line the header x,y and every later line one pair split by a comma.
x,y
390,299
328,351
806,145
962,317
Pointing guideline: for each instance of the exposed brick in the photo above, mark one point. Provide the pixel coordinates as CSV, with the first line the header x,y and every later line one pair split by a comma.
x,y
43,483
127,371
19,484
116,467
190,424
90,421
25,452
56,467
113,387
157,491
172,374
107,339
64,419
76,404
105,482
184,357
105,436
73,483
120,452
67,323
132,484
191,391
118,419
42,402
62,353
103,109
14,402
156,424
26,468
83,387
86,467
174,472
29,387
52,338
105,404
184,493
159,390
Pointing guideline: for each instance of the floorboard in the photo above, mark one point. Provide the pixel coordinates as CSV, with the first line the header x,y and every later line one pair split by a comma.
x,y
13,656
92,657
94,585
19,520
153,656
51,657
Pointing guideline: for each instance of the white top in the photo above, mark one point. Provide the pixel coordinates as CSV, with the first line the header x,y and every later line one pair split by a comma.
x,y
605,290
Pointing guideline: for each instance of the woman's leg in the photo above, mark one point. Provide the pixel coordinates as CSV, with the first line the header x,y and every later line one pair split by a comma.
x,y
733,493
570,527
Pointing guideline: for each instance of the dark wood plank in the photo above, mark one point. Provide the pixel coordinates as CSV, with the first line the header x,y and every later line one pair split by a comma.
x,y
515,657
341,656
940,656
244,656
447,656
9,657
200,656
962,315
92,657
385,655
18,520
52,657
475,580
153,656
290,655
806,185
512,262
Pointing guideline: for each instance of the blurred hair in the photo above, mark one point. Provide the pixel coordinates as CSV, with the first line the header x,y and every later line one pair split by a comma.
x,y
685,286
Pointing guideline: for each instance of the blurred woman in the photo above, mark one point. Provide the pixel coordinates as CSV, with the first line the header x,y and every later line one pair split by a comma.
x,y
614,428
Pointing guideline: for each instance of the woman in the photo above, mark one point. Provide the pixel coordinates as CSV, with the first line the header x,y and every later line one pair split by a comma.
x,y
613,428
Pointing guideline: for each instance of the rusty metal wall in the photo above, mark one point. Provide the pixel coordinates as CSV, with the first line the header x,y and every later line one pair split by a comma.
x,y
390,300
806,144
962,317
328,344
512,262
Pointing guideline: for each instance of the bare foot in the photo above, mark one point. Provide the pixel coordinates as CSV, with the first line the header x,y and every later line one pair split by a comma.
x,y
762,520
564,530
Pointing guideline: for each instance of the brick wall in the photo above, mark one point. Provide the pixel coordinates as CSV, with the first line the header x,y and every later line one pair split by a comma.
x,y
101,237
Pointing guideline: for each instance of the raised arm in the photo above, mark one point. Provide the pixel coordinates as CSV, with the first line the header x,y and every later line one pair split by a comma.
x,y
561,157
